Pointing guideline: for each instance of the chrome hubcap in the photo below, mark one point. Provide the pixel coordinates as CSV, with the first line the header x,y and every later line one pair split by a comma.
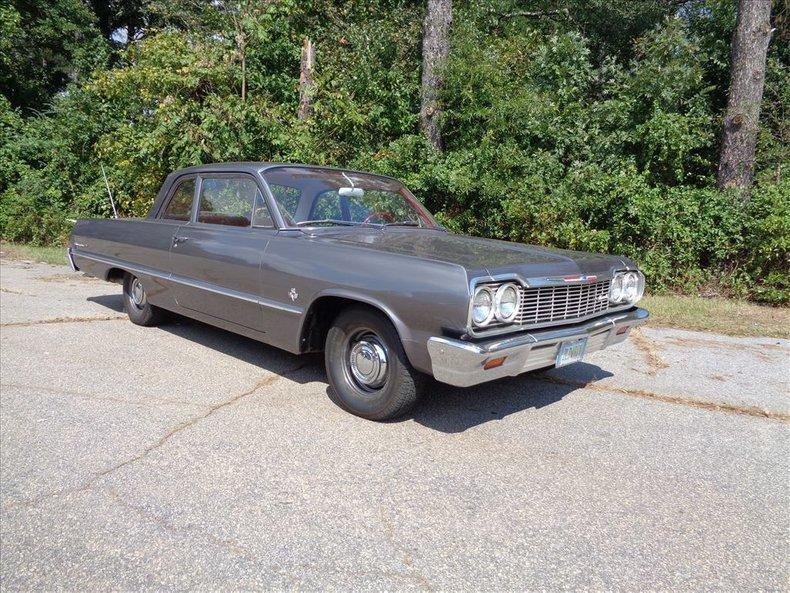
x,y
137,294
367,360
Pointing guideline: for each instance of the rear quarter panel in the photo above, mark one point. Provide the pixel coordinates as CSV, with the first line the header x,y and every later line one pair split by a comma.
x,y
138,245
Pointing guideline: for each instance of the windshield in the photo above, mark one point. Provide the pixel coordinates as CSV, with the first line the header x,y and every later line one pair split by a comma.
x,y
312,196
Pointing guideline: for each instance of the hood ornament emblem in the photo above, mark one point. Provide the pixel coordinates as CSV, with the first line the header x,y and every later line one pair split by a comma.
x,y
580,278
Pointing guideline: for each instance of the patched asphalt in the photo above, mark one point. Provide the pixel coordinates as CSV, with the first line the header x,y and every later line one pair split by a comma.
x,y
187,457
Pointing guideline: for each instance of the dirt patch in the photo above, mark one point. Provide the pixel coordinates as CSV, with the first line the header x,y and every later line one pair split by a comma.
x,y
650,349
765,352
67,278
62,320
673,399
11,291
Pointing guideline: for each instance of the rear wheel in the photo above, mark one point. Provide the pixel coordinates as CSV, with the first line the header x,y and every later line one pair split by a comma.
x,y
369,374
135,301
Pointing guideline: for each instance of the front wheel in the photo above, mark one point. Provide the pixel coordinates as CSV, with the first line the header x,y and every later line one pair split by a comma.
x,y
369,374
135,301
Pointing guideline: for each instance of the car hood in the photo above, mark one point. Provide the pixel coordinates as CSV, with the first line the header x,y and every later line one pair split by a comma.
x,y
477,255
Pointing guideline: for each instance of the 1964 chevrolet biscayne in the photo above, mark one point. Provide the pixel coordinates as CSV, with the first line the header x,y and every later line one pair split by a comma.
x,y
309,258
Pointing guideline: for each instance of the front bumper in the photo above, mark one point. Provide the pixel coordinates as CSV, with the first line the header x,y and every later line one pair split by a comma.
x,y
462,363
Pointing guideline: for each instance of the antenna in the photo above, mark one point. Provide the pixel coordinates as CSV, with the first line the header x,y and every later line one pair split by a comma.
x,y
107,183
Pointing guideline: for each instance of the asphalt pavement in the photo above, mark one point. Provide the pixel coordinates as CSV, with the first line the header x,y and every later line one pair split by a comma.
x,y
186,457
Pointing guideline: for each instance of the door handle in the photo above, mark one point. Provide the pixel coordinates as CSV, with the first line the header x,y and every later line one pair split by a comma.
x,y
177,240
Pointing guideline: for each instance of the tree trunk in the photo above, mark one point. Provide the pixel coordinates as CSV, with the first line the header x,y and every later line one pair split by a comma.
x,y
739,134
244,76
241,48
306,83
435,49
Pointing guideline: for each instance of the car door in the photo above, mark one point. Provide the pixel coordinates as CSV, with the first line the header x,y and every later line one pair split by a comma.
x,y
215,258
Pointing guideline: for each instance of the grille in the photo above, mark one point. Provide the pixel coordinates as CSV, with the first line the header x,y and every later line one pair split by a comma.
x,y
554,304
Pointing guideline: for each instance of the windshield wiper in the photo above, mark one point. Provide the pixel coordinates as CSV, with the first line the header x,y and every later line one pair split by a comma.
x,y
403,223
328,221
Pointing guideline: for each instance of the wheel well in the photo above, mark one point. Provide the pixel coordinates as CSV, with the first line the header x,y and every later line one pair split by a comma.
x,y
115,275
320,316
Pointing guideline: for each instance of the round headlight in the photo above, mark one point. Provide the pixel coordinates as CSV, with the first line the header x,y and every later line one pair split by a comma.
x,y
630,286
506,302
482,306
616,289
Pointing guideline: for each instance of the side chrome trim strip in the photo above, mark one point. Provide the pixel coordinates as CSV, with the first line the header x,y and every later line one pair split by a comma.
x,y
242,296
280,306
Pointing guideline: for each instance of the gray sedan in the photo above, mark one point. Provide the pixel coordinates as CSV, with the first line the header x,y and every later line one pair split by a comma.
x,y
309,259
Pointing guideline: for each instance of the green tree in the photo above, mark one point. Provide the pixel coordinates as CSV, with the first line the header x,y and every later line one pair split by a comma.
x,y
44,46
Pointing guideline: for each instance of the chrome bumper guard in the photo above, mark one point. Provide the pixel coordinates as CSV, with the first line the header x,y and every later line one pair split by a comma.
x,y
70,256
462,363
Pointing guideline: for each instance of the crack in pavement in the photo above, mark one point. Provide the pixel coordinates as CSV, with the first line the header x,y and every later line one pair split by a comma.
x,y
265,382
242,551
228,543
94,396
701,404
62,320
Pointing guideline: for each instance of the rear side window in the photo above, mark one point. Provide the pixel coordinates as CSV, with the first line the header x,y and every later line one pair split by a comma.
x,y
180,206
227,200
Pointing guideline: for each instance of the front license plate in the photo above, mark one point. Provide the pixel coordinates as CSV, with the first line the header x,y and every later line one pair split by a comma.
x,y
571,352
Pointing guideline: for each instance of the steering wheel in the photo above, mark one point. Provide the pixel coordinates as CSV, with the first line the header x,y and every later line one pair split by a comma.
x,y
381,214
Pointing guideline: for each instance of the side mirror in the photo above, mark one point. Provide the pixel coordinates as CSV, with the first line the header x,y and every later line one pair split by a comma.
x,y
354,192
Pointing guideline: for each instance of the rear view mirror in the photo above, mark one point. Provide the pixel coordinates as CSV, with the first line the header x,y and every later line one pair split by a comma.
x,y
354,192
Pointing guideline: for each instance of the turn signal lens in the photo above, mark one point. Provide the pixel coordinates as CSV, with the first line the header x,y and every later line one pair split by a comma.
x,y
494,363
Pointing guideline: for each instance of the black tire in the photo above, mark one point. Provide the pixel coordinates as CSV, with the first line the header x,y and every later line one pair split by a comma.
x,y
401,385
139,310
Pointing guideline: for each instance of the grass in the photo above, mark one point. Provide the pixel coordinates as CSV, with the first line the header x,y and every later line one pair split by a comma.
x,y
723,316
49,255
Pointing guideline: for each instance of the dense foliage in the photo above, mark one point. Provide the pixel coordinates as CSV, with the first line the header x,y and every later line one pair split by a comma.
x,y
593,126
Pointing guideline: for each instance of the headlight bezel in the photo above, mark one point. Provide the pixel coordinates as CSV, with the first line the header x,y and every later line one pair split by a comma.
x,y
498,296
626,288
478,290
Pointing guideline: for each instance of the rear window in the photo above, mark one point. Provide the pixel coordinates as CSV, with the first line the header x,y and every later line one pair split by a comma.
x,y
180,206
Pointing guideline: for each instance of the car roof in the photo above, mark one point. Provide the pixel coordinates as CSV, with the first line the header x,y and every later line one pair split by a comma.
x,y
256,166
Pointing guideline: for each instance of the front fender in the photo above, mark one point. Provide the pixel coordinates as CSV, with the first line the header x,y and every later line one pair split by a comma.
x,y
403,330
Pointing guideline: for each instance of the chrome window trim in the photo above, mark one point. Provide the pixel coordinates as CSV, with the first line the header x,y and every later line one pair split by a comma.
x,y
227,175
177,183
